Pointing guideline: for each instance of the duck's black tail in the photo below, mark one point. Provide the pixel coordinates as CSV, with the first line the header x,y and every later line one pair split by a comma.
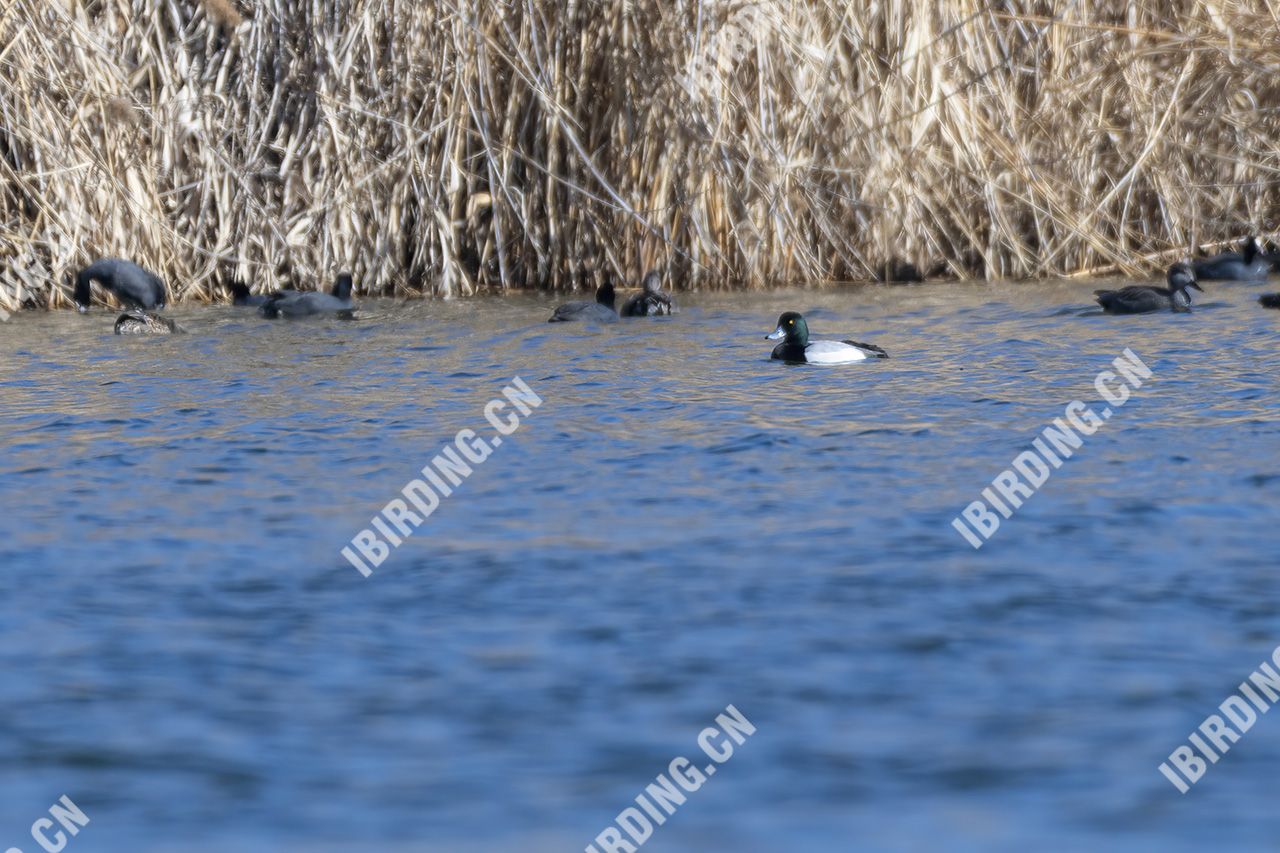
x,y
871,348
1270,300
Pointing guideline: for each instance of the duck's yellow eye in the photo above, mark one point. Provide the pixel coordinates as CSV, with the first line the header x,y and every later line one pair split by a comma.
x,y
791,322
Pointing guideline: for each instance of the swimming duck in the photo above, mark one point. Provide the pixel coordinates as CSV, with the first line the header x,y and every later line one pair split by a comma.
x,y
1248,265
797,348
898,271
131,284
138,322
652,302
1270,300
240,295
291,303
600,311
1268,256
1143,299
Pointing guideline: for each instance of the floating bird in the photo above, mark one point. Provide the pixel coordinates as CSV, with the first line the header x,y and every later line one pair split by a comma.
x,y
1144,299
1251,245
1249,265
898,271
290,303
797,348
651,303
131,284
240,295
1270,300
137,322
600,311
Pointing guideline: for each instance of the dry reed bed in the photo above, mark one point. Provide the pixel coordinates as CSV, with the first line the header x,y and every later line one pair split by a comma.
x,y
454,146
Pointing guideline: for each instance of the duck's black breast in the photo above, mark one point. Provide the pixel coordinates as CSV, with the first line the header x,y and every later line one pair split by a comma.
x,y
788,351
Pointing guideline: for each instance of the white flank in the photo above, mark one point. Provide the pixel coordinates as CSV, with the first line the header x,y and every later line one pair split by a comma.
x,y
833,352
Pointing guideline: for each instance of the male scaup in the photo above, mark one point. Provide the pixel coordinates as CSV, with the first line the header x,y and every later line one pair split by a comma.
x,y
796,348
600,311
131,284
1144,299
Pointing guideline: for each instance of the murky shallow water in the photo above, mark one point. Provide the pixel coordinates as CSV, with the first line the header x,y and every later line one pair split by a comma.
x,y
681,525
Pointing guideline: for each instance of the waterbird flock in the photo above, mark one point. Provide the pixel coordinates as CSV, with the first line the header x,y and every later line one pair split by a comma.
x,y
141,292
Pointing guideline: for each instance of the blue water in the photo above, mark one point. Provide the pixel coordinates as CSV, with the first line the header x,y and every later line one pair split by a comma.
x,y
680,526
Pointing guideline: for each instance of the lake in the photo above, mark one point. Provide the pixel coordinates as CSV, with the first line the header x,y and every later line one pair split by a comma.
x,y
680,526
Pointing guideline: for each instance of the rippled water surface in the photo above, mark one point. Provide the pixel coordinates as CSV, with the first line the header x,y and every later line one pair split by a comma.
x,y
681,525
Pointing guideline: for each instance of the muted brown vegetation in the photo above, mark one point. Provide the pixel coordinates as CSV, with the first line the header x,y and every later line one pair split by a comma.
x,y
454,146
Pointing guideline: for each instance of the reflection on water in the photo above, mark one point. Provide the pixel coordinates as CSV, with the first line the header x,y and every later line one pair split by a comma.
x,y
681,525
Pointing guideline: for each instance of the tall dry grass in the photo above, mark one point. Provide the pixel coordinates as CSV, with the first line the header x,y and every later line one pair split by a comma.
x,y
452,146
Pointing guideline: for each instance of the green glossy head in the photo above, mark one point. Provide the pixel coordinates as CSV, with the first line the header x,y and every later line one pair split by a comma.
x,y
792,327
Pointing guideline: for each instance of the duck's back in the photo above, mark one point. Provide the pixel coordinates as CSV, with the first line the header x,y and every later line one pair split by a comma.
x,y
130,283
787,351
144,323
293,304
579,311
1136,299
1231,267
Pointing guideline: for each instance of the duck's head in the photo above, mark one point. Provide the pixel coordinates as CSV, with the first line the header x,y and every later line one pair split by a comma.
x,y
239,291
1181,276
605,295
82,293
1250,249
652,282
342,286
792,327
